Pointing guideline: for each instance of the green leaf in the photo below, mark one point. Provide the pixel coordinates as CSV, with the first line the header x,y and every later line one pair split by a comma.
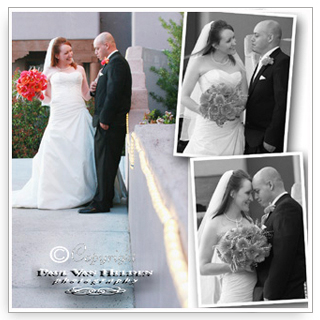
x,y
169,79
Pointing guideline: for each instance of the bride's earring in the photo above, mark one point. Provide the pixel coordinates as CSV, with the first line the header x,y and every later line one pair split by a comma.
x,y
215,46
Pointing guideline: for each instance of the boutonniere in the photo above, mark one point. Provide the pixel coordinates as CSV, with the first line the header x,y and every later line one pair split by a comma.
x,y
267,212
105,61
267,60
270,208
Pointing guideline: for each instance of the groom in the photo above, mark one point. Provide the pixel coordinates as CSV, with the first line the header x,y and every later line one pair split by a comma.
x,y
112,103
267,100
283,274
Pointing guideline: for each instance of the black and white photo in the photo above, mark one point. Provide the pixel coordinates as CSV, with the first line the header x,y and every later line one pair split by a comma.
x,y
234,94
250,230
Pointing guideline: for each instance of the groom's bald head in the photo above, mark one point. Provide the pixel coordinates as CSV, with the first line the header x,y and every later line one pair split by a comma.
x,y
267,184
105,37
266,36
273,28
269,173
104,45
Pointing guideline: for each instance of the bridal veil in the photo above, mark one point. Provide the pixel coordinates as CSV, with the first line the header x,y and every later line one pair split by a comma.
x,y
47,64
210,286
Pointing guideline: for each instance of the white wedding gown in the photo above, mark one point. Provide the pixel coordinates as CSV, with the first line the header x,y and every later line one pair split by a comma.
x,y
229,287
237,287
207,137
63,170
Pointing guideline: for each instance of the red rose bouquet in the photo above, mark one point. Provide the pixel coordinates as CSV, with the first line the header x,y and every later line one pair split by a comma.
x,y
31,83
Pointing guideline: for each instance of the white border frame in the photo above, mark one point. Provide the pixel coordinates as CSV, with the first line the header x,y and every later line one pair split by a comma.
x,y
307,233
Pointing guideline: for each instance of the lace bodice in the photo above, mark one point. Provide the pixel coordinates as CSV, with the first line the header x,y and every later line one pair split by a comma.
x,y
66,89
217,76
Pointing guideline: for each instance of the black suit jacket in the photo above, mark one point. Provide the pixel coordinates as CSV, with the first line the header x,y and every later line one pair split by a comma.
x,y
113,92
267,101
283,273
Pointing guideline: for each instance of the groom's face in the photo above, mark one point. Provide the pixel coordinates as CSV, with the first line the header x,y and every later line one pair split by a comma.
x,y
262,191
100,50
260,39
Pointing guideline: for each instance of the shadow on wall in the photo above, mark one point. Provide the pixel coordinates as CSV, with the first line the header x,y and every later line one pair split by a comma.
x,y
157,59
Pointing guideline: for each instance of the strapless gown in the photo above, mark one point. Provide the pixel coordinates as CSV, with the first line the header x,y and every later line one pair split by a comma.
x,y
227,288
207,137
237,287
63,170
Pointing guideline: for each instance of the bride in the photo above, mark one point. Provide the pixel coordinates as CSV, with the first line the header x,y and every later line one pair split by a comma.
x,y
214,62
63,170
228,208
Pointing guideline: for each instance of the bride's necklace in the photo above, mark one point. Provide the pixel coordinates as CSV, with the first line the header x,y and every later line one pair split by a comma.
x,y
62,69
237,222
218,62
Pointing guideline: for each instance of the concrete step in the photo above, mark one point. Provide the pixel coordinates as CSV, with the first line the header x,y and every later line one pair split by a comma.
x,y
136,65
139,99
138,80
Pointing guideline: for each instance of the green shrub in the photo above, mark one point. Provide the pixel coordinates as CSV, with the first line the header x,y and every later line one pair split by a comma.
x,y
90,106
29,120
169,79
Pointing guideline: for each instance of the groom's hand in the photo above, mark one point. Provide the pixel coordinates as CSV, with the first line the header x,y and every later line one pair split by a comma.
x,y
269,147
93,86
104,126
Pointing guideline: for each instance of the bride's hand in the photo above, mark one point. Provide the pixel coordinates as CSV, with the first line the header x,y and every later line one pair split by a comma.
x,y
247,268
39,95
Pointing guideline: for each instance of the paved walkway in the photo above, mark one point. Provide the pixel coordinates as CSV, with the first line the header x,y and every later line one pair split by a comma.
x,y
94,243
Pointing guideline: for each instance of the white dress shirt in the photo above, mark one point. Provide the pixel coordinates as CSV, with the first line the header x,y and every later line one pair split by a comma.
x,y
278,197
108,57
261,58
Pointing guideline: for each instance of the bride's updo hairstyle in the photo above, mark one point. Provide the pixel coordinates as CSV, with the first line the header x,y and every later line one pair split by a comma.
x,y
235,183
56,50
215,37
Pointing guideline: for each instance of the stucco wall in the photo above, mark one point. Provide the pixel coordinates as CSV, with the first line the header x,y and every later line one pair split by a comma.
x,y
48,25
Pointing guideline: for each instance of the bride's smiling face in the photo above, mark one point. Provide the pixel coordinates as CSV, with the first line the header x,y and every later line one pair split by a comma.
x,y
243,196
66,54
227,44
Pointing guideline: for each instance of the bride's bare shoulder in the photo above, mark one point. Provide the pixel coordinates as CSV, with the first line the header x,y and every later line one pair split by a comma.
x,y
215,223
199,60
80,68
50,71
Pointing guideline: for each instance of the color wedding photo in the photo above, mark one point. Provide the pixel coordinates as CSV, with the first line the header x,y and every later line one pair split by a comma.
x,y
235,84
250,224
97,220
